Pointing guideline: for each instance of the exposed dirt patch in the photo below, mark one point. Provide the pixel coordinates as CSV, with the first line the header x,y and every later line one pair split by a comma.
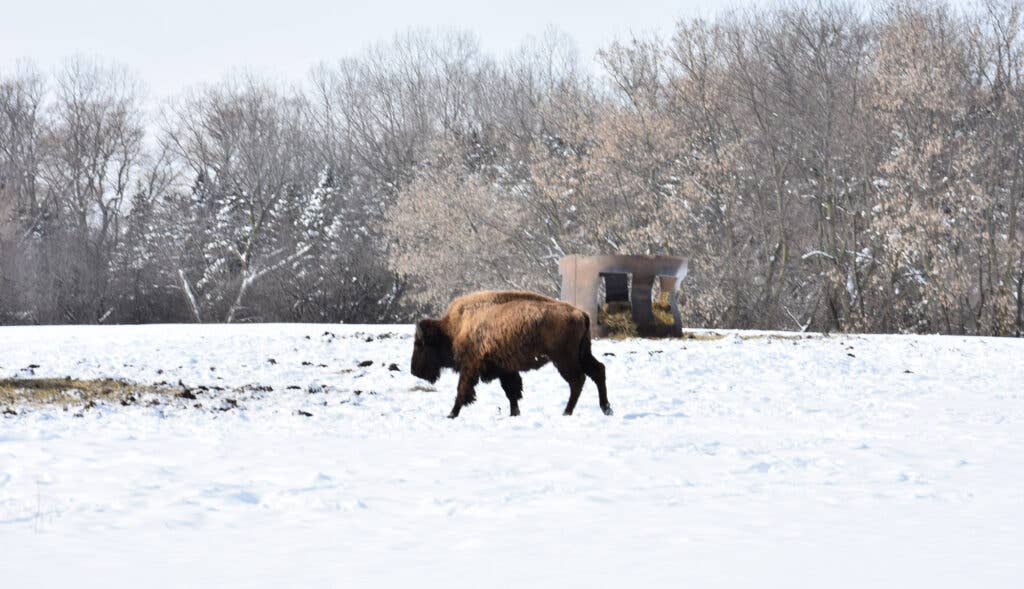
x,y
26,394
45,391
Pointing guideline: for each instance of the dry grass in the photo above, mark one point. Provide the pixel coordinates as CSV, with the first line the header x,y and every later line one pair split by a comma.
x,y
73,391
703,336
714,335
618,318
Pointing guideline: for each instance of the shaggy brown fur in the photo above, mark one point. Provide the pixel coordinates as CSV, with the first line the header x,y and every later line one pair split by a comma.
x,y
491,335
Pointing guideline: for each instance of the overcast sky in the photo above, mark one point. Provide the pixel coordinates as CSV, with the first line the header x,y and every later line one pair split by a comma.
x,y
178,43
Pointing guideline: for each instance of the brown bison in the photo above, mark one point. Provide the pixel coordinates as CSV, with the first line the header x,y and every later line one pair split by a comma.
x,y
496,335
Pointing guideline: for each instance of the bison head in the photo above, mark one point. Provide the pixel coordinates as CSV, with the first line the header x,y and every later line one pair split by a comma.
x,y
431,351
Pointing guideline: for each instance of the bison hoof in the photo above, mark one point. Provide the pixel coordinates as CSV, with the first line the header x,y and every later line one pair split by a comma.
x,y
452,415
567,412
607,410
514,413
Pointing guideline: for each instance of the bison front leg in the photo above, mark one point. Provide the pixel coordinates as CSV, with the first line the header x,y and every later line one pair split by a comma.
x,y
513,385
573,374
467,391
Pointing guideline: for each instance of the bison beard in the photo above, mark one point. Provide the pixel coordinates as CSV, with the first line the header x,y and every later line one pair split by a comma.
x,y
495,335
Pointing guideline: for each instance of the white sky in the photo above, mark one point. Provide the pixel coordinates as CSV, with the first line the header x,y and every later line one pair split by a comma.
x,y
179,43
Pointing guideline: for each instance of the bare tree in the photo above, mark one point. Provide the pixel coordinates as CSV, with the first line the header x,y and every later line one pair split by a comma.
x,y
824,167
93,147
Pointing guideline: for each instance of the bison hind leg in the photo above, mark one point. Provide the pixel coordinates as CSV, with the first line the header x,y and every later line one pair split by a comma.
x,y
575,388
593,368
572,372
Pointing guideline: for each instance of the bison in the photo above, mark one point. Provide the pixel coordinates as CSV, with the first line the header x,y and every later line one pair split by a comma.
x,y
496,335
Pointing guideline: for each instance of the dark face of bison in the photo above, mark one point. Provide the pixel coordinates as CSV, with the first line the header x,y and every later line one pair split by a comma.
x,y
431,351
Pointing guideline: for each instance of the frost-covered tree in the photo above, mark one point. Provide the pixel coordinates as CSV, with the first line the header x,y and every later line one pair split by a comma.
x,y
245,143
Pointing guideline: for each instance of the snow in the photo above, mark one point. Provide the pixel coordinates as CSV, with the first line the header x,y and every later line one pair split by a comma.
x,y
758,459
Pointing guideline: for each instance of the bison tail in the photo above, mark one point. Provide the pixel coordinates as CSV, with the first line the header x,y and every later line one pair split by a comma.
x,y
585,340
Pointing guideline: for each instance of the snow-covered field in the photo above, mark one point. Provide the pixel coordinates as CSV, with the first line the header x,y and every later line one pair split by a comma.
x,y
820,462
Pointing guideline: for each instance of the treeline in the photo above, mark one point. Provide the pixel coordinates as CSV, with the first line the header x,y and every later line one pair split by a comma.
x,y
827,168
